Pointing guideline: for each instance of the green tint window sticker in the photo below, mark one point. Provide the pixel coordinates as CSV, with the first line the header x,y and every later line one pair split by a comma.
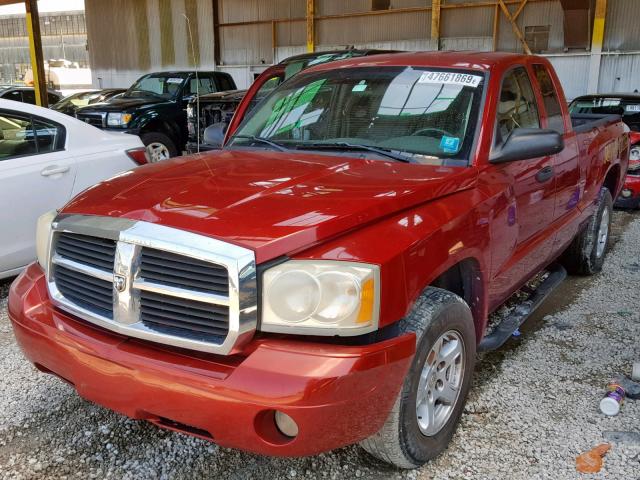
x,y
289,112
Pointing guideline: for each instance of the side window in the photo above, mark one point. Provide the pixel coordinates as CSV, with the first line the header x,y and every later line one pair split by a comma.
x,y
29,96
225,82
550,99
53,98
206,85
15,95
48,136
17,137
517,105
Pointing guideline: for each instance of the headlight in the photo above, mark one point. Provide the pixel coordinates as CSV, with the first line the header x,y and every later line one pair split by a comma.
x,y
118,119
43,237
321,298
634,154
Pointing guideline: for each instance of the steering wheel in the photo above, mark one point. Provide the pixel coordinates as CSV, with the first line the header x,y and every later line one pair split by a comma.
x,y
432,132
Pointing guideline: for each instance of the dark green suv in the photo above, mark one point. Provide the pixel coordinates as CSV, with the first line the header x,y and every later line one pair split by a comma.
x,y
155,108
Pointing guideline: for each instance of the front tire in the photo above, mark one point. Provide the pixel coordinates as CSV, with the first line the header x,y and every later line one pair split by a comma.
x,y
586,254
159,146
430,403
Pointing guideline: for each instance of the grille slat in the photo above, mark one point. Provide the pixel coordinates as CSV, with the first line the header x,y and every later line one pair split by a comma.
x,y
75,287
93,251
182,315
179,271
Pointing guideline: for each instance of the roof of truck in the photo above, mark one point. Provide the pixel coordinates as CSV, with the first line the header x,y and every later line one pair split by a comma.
x,y
469,60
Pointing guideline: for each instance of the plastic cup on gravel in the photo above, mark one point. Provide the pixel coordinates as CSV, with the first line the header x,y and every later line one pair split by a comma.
x,y
610,404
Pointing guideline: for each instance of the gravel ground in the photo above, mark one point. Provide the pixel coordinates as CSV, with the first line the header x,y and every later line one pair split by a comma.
x,y
533,409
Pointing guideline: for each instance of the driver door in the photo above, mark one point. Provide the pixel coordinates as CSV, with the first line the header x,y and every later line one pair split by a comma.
x,y
523,224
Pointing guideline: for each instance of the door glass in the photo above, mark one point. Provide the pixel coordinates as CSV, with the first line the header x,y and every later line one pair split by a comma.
x,y
517,105
16,137
47,136
266,88
550,98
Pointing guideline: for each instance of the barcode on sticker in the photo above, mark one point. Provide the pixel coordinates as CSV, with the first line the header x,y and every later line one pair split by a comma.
x,y
451,78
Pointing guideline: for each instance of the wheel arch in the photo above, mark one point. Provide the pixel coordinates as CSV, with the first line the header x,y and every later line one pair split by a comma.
x,y
612,181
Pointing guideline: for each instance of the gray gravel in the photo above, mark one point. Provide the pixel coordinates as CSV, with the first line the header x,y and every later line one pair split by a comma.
x,y
533,409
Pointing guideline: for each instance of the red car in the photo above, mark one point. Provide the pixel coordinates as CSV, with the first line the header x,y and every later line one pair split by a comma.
x,y
327,277
627,105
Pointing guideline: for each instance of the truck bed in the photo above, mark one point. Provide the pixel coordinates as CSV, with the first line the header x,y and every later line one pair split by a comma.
x,y
583,122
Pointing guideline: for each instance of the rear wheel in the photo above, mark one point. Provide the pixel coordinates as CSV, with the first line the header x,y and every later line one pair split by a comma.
x,y
428,407
586,254
159,146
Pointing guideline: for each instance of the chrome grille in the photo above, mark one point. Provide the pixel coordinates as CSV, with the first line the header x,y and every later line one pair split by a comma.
x,y
154,282
96,119
180,271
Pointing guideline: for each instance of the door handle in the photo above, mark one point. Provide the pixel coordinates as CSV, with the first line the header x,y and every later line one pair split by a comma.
x,y
53,170
545,174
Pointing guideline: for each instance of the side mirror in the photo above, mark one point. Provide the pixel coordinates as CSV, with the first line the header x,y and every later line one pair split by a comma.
x,y
214,134
525,143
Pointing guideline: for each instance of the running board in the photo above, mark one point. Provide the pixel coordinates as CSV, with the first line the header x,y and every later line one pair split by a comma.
x,y
523,311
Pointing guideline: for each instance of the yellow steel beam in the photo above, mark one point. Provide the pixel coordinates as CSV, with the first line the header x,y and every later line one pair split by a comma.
x,y
311,34
519,11
435,20
597,40
35,51
496,26
514,25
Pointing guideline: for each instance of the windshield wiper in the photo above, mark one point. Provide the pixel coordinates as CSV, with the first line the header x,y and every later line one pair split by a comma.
x,y
266,141
352,146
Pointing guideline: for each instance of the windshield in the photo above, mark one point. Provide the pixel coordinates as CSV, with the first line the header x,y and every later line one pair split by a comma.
x,y
165,86
629,108
424,114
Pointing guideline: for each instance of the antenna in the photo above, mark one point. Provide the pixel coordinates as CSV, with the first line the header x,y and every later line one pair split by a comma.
x,y
195,66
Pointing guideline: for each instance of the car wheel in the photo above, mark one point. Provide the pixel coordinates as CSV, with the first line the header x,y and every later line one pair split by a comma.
x,y
586,254
159,146
428,407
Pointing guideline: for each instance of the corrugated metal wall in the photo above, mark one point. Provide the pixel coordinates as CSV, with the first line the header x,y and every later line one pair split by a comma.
x,y
248,48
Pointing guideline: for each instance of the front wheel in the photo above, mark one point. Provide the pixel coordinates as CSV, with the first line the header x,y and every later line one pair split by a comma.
x,y
586,254
428,407
159,146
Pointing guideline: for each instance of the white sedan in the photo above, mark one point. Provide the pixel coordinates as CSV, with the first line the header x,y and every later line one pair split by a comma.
x,y
46,158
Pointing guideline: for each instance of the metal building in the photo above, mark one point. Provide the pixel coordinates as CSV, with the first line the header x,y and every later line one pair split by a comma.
x,y
64,36
130,37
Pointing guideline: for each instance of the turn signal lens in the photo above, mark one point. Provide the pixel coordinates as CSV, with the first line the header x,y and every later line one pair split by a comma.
x,y
139,155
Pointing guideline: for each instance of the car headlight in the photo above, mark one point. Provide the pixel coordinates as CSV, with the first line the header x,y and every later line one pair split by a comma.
x,y
634,154
118,119
321,298
43,237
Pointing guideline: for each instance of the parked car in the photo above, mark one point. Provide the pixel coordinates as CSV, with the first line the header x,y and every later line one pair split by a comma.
x,y
218,108
155,108
327,277
628,106
69,105
45,159
26,94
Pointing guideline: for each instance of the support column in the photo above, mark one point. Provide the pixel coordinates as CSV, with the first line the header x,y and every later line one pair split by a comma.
x,y
435,22
35,51
311,33
512,19
597,40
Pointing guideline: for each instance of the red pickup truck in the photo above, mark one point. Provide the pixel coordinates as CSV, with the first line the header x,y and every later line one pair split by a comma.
x,y
326,278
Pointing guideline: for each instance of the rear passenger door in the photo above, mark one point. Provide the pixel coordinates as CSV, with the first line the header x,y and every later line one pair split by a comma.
x,y
36,175
569,186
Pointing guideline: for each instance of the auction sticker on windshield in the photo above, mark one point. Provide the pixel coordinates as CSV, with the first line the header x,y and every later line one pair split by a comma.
x,y
451,78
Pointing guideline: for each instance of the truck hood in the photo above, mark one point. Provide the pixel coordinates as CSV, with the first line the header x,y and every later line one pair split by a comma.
x,y
121,104
274,203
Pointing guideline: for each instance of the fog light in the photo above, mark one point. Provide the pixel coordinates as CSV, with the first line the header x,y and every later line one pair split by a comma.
x,y
626,193
286,424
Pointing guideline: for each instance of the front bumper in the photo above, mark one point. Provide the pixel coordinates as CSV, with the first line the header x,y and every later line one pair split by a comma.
x,y
338,395
632,185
